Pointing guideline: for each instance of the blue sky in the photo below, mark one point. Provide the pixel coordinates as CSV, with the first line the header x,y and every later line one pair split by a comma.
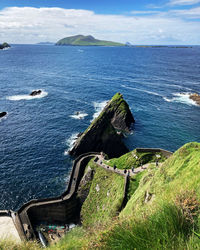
x,y
138,22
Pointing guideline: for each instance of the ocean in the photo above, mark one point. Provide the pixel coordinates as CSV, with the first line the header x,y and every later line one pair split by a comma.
x,y
38,131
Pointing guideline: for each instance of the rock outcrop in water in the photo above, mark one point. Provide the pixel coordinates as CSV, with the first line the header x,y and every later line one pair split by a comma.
x,y
4,45
196,98
2,114
36,92
104,133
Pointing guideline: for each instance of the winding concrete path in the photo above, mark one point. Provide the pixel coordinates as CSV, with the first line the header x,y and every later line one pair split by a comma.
x,y
101,160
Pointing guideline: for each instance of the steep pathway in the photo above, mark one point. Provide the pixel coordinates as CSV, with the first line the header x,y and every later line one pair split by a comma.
x,y
100,162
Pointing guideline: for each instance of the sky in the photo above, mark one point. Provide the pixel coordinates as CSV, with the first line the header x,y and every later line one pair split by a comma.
x,y
140,22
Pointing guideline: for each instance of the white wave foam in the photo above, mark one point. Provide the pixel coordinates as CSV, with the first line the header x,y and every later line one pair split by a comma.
x,y
70,142
26,97
181,98
78,115
167,99
98,106
142,90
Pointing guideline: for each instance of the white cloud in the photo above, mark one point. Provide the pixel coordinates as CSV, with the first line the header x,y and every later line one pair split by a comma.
x,y
31,25
183,2
146,12
193,13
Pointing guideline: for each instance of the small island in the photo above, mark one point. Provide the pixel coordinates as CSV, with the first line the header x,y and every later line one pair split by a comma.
x,y
81,40
196,98
4,46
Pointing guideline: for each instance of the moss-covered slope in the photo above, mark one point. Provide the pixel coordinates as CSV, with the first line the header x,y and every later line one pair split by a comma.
x,y
104,201
103,133
81,40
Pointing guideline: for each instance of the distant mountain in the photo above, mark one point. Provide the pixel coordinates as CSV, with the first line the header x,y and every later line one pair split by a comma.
x,y
45,43
81,40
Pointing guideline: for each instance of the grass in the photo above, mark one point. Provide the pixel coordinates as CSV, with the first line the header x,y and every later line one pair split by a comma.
x,y
11,245
134,184
168,219
105,197
167,228
75,239
134,159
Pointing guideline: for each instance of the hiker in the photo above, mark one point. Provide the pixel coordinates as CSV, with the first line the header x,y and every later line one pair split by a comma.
x,y
132,169
157,163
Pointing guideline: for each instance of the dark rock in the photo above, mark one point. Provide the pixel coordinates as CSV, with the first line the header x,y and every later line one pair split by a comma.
x,y
79,134
102,135
85,184
196,98
2,114
36,92
4,45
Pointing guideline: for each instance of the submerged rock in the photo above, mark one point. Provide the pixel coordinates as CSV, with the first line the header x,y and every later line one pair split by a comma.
x,y
196,98
36,92
2,114
103,135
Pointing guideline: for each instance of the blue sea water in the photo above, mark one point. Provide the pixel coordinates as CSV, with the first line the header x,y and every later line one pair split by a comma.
x,y
37,132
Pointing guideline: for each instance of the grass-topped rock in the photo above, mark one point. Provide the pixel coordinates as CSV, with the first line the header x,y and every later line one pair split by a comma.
x,y
4,46
105,132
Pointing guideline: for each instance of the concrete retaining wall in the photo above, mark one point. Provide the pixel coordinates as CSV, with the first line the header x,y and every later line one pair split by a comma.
x,y
63,209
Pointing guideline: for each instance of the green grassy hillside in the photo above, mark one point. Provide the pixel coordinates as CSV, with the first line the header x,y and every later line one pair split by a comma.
x,y
104,200
162,212
134,159
81,40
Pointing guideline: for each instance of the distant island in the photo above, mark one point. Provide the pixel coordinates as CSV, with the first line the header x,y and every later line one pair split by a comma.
x,y
4,45
45,43
81,40
163,46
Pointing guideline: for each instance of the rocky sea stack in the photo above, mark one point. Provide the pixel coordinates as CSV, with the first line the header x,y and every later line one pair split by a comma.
x,y
105,132
196,98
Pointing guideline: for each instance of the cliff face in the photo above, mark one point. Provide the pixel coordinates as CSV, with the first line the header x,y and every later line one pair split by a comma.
x,y
103,133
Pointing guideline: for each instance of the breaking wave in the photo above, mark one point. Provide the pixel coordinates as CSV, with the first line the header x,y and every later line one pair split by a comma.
x,y
98,106
70,142
181,98
26,97
78,115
